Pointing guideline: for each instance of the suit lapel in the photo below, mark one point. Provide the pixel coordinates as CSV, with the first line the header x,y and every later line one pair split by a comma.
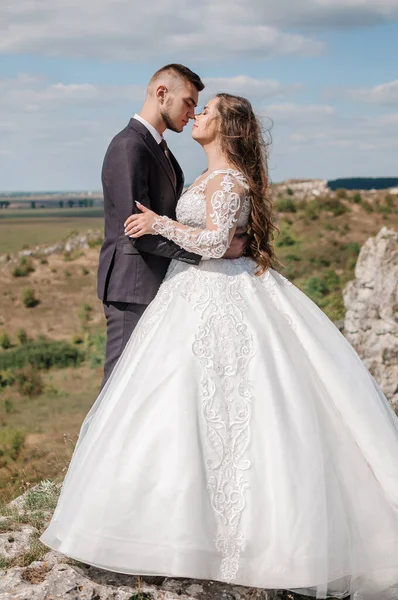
x,y
179,174
156,150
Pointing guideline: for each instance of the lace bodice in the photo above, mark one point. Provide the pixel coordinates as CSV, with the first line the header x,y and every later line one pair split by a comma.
x,y
208,214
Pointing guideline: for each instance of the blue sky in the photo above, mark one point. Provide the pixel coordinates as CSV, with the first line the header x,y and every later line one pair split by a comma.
x,y
323,71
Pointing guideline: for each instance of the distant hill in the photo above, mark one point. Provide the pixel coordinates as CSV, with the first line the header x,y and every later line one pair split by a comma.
x,y
363,183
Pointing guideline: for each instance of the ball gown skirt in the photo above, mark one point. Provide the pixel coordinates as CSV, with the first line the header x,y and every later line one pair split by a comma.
x,y
240,438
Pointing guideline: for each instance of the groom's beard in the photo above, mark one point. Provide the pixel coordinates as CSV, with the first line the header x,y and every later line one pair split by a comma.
x,y
168,122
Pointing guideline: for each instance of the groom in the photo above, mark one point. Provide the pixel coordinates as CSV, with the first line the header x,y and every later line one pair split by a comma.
x,y
138,166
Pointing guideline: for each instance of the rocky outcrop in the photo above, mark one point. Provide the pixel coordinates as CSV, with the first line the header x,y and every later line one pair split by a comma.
x,y
303,188
30,572
371,300
73,242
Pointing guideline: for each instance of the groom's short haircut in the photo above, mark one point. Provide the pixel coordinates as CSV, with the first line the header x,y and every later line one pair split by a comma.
x,y
179,71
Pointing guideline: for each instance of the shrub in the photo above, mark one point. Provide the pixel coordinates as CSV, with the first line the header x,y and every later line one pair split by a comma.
x,y
29,382
24,267
284,239
5,341
84,313
316,288
341,193
43,496
77,339
367,206
43,261
290,191
312,209
353,248
11,443
67,273
285,205
29,299
334,206
97,344
357,198
293,257
22,336
72,255
85,271
7,377
41,354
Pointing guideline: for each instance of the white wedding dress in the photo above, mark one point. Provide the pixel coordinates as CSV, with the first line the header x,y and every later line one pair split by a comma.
x,y
240,438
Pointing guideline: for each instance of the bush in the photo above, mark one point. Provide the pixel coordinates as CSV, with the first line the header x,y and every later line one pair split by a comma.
x,y
312,210
316,288
97,344
290,191
7,377
367,206
357,198
284,239
11,443
29,299
22,336
5,341
285,205
341,193
85,271
29,382
353,248
41,354
334,206
84,313
24,267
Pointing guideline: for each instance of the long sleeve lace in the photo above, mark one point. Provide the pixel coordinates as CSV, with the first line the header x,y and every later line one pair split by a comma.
x,y
224,199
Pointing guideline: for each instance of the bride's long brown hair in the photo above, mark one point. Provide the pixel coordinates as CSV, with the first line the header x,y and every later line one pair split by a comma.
x,y
242,142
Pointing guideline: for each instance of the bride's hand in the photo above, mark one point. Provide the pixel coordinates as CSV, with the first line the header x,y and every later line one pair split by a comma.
x,y
140,224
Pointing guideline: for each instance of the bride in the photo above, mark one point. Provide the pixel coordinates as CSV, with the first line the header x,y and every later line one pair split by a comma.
x,y
240,438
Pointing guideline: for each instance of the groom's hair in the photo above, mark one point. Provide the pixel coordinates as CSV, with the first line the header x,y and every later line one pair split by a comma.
x,y
179,71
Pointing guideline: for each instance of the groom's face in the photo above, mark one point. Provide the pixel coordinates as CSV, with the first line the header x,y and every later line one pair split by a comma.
x,y
179,106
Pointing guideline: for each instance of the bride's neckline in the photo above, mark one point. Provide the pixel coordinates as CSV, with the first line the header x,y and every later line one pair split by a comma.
x,y
210,176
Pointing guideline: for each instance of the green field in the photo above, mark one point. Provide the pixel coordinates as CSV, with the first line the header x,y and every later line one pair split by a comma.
x,y
26,228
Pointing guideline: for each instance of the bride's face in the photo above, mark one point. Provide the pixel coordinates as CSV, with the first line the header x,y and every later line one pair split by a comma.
x,y
205,128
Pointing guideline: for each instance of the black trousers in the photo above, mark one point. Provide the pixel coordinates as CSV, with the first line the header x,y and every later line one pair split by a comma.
x,y
121,320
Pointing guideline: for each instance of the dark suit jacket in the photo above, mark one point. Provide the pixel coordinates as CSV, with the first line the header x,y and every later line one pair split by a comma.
x,y
136,168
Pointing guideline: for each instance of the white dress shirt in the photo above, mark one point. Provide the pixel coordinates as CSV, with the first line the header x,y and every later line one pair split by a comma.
x,y
158,138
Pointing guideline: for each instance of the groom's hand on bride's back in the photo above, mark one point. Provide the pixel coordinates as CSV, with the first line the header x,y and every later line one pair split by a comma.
x,y
238,245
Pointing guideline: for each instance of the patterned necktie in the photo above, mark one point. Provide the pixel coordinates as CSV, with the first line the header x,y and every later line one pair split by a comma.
x,y
164,147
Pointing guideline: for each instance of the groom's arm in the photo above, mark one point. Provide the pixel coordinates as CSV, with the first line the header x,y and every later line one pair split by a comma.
x,y
125,174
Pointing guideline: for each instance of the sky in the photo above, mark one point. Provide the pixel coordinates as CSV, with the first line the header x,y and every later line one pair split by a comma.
x,y
321,74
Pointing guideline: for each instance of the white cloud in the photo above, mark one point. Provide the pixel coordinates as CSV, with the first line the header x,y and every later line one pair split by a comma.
x,y
385,94
328,14
255,89
55,134
131,30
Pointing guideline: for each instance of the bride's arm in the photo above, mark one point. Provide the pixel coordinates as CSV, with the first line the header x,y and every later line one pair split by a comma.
x,y
224,199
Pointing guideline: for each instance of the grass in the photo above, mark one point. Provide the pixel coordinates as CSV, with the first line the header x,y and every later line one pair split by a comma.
x,y
24,229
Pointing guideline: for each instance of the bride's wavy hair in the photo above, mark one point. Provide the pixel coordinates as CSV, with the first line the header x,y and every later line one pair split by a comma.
x,y
242,142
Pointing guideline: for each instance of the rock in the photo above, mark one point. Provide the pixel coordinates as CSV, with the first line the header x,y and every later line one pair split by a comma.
x,y
43,581
74,242
303,188
15,543
371,300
